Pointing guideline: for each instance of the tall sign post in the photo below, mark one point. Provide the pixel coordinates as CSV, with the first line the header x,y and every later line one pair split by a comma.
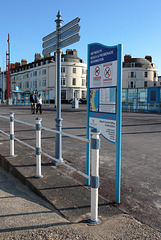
x,y
8,71
62,37
104,99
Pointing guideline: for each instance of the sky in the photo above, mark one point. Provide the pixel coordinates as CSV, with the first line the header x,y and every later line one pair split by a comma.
x,y
134,24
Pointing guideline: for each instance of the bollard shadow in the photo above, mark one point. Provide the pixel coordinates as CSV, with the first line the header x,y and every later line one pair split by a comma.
x,y
141,124
136,133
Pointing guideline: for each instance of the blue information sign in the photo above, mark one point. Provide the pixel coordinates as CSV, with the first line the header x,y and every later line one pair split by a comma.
x,y
104,93
102,89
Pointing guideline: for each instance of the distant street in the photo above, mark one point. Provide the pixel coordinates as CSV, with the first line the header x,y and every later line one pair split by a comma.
x,y
141,154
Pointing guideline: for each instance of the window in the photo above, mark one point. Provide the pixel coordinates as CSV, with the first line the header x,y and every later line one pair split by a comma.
x,y
44,83
155,74
153,96
83,70
35,84
35,73
27,84
74,70
132,84
74,82
62,69
83,82
62,81
63,94
145,74
44,71
39,83
133,74
31,74
145,84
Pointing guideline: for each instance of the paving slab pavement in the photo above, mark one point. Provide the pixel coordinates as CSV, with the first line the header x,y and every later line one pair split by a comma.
x,y
64,214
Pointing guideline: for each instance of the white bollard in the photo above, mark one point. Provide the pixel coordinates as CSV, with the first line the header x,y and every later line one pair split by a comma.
x,y
12,135
38,148
95,146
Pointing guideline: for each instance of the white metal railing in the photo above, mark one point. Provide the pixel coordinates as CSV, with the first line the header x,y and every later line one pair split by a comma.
x,y
95,145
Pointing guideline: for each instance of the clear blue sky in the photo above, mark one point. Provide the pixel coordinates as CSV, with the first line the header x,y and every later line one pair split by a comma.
x,y
135,24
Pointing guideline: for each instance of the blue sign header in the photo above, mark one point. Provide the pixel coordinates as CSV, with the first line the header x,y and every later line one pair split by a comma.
x,y
100,54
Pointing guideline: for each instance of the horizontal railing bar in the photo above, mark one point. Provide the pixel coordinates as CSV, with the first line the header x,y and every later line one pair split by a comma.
x,y
47,155
4,133
4,117
66,134
63,163
18,140
52,130
30,124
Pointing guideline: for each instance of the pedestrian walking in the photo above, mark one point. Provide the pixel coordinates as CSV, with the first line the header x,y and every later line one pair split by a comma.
x,y
33,101
39,104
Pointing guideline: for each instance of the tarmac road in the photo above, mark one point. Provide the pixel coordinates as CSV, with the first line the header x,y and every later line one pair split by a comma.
x,y
141,154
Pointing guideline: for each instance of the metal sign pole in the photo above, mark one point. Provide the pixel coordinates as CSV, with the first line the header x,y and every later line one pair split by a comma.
x,y
62,37
118,134
58,144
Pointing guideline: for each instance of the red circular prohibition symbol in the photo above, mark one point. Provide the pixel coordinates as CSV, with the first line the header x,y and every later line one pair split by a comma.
x,y
97,71
107,72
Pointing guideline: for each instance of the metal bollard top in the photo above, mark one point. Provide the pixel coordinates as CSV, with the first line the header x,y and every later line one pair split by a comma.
x,y
95,131
38,119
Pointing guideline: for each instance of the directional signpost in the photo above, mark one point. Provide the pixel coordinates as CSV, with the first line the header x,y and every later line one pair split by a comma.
x,y
62,37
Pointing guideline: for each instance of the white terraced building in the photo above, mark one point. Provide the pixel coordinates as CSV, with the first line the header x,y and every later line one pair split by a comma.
x,y
40,75
139,73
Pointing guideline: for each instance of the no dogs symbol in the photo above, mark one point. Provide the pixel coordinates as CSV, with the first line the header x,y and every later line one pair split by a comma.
x,y
107,72
97,71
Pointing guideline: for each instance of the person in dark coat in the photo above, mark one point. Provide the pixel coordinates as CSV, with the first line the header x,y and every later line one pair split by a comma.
x,y
33,101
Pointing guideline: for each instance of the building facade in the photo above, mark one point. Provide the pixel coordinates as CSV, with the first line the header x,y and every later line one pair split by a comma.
x,y
40,75
139,73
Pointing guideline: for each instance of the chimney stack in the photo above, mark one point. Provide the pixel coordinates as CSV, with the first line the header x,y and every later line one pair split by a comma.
x,y
37,56
23,62
149,58
127,57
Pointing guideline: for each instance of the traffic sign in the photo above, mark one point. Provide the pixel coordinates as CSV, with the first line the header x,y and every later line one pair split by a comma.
x,y
70,24
51,35
63,35
70,31
49,49
70,40
50,42
66,35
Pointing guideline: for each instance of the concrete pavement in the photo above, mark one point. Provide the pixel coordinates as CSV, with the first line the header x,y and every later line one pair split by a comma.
x,y
64,214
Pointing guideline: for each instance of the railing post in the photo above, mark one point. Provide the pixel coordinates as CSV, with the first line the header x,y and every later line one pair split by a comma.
x,y
12,135
95,146
38,148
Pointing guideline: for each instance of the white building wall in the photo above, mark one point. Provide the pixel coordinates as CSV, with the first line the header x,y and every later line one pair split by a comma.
x,y
45,78
138,78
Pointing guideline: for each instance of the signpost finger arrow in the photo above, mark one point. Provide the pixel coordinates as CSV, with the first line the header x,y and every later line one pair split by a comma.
x,y
70,40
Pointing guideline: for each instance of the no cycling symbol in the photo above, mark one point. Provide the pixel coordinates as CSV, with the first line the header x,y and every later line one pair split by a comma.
x,y
107,72
97,71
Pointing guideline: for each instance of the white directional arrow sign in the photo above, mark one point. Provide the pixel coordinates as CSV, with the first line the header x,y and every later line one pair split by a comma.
x,y
50,42
49,49
70,31
51,35
63,35
68,34
70,24
70,40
